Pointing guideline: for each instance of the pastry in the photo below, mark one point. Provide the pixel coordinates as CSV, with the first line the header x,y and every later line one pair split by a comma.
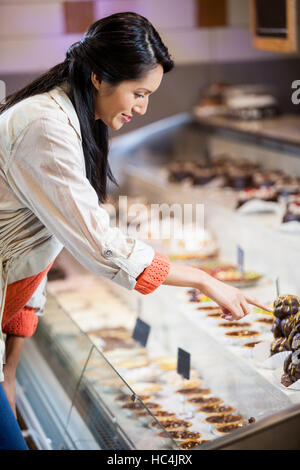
x,y
166,363
265,321
194,391
124,398
190,384
137,405
262,194
217,409
191,443
226,429
134,363
205,400
146,387
172,424
223,419
242,333
214,315
182,435
234,324
251,345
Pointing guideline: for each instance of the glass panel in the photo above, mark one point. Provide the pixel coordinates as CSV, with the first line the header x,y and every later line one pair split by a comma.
x,y
113,416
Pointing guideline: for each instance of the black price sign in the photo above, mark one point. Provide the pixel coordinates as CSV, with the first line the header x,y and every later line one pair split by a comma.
x,y
183,363
141,332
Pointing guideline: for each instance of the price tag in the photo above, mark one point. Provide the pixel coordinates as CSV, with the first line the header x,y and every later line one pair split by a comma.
x,y
183,363
141,332
240,259
277,287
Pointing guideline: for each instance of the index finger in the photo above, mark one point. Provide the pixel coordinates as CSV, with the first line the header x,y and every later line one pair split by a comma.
x,y
257,303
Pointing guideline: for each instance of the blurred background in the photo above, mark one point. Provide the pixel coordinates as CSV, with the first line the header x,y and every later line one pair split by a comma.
x,y
210,41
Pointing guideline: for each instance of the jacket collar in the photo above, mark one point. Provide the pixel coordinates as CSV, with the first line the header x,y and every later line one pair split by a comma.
x,y
59,95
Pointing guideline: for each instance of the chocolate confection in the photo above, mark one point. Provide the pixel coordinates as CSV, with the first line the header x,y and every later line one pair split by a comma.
x,y
276,328
279,345
234,324
239,179
291,368
203,176
286,305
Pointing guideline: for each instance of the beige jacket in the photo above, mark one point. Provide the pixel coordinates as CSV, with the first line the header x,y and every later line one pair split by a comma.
x,y
46,201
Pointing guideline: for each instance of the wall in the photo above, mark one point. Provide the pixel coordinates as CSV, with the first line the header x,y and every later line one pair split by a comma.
x,y
28,28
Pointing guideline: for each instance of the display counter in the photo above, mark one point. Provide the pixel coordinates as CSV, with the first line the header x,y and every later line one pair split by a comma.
x,y
232,400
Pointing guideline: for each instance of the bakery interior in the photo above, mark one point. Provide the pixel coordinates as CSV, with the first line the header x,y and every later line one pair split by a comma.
x,y
222,132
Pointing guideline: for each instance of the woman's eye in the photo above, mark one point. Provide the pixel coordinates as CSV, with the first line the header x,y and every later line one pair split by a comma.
x,y
139,96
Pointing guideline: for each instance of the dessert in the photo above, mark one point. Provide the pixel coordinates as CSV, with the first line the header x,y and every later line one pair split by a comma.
x,y
286,305
138,405
231,274
146,387
214,315
227,428
234,324
265,321
134,363
172,424
159,414
223,420
204,400
166,363
194,391
123,397
191,443
251,345
182,435
217,409
242,333
261,194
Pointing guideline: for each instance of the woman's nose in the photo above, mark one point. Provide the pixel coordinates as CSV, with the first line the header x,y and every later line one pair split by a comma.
x,y
141,109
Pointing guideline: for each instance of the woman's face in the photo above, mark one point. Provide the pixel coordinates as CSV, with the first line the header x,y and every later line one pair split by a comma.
x,y
116,105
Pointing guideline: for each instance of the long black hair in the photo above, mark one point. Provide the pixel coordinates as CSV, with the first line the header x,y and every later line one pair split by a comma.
x,y
123,46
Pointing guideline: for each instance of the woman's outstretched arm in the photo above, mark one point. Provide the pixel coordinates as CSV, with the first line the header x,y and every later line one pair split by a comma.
x,y
232,301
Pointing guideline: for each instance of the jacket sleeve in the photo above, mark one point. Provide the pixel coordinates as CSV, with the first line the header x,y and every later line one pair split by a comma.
x,y
154,275
24,323
47,173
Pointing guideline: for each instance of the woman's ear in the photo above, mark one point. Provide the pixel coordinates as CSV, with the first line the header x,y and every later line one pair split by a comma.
x,y
95,81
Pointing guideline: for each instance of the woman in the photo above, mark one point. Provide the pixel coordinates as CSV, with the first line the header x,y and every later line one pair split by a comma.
x,y
54,171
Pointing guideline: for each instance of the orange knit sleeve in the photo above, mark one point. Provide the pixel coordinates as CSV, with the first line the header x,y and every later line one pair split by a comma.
x,y
24,323
154,275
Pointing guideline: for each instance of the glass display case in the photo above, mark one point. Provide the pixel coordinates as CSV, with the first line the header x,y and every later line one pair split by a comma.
x,y
93,386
